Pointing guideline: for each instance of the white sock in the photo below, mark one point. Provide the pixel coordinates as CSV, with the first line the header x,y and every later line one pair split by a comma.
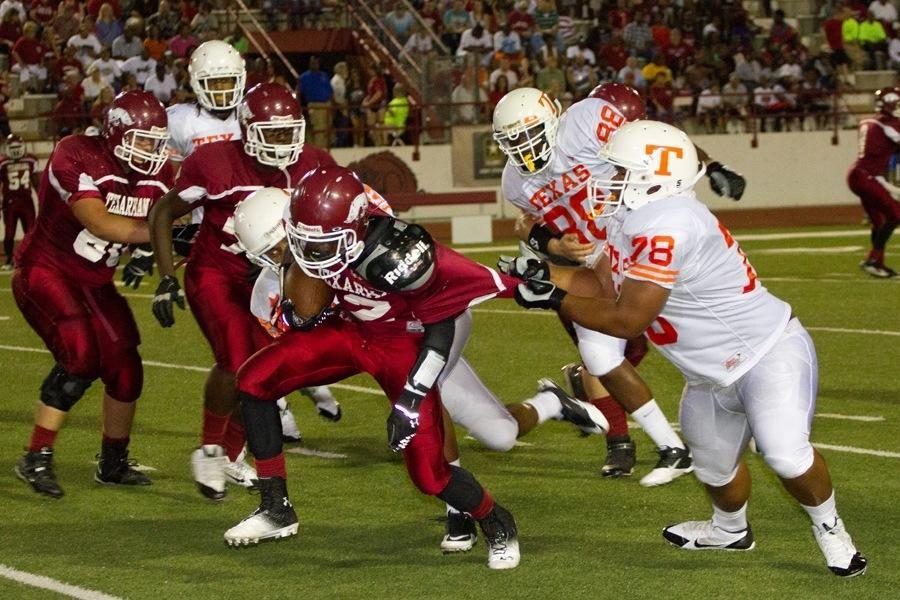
x,y
450,509
651,418
282,403
823,514
546,405
732,522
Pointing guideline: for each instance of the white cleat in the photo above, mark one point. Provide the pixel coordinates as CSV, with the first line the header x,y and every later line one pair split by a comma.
x,y
502,537
584,415
704,535
240,472
208,466
503,554
274,519
841,555
327,405
290,433
672,464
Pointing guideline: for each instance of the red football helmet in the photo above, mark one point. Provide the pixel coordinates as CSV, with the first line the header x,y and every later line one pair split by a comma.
x,y
136,128
272,125
329,215
887,101
626,99
15,147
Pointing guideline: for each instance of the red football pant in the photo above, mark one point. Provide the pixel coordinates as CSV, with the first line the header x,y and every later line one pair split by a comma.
x,y
12,215
89,330
338,349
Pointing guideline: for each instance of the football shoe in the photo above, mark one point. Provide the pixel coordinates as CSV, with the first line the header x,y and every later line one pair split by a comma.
x,y
115,468
841,555
7,267
877,269
240,473
208,464
273,519
584,415
501,534
327,406
620,458
704,535
290,433
36,469
572,373
461,533
672,464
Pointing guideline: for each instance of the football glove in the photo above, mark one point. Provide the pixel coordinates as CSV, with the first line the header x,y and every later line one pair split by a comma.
x,y
289,319
725,182
167,292
536,294
522,267
141,264
403,422
183,238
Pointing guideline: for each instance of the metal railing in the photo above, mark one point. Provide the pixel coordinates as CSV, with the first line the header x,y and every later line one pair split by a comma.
x,y
273,47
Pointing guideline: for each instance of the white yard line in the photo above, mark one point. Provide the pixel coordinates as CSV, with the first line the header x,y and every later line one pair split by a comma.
x,y
315,453
855,450
46,583
4,318
809,250
856,331
850,417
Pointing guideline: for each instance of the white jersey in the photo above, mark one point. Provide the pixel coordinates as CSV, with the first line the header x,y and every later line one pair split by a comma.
x,y
559,194
191,125
265,301
719,320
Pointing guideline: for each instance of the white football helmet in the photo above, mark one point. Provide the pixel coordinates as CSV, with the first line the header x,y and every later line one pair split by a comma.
x,y
654,160
525,124
217,61
259,224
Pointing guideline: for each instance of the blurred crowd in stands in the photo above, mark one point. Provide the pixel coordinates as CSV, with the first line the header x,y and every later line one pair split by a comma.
x,y
707,59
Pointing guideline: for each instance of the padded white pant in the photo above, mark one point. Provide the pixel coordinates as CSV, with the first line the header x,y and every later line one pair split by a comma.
x,y
599,352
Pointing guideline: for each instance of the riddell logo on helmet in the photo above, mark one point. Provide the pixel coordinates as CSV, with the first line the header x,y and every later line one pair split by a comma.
x,y
663,169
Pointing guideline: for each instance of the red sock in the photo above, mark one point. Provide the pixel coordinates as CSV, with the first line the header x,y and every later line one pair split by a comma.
x,y
119,443
271,467
41,438
615,414
876,256
234,439
484,507
214,428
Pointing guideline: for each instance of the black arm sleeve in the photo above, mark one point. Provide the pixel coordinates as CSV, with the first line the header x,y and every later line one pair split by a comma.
x,y
433,355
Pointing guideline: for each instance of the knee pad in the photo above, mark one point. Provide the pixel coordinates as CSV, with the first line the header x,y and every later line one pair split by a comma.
x,y
496,434
263,426
61,390
599,359
713,477
789,465
124,376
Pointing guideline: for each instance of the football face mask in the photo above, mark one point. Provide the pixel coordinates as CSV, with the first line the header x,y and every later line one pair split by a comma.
x,y
323,255
276,143
144,150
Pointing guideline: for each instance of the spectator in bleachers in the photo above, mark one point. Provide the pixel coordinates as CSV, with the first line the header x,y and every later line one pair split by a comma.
x,y
521,21
873,41
503,68
92,85
478,14
154,43
420,44
769,100
87,46
813,99
28,55
431,16
129,83
781,34
656,66
632,72
791,69
108,67
500,89
66,22
42,11
392,121
568,29
315,92
375,98
162,83
614,51
580,77
523,69
894,48
662,35
833,28
92,7
476,41
581,49
108,27
141,66
619,16
238,40
399,22
677,52
165,20
710,108
257,72
188,10
551,79
546,20
748,71
10,31
129,43
734,102
68,114
637,35
455,20
205,24
15,5
507,42
661,99
884,11
68,62
100,104
468,97
184,43
340,121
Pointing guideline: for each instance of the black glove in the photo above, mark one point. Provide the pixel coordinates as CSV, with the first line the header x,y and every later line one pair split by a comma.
x,y
291,320
403,422
183,238
725,182
141,264
167,292
522,267
539,294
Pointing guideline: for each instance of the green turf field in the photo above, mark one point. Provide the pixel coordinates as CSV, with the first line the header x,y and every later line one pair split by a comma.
x,y
365,532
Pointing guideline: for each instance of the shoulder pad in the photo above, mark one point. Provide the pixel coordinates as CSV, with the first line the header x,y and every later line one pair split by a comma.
x,y
401,258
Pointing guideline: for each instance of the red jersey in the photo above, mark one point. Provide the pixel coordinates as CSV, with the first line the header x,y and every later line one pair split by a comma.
x,y
879,138
15,179
218,176
83,167
456,284
29,50
43,11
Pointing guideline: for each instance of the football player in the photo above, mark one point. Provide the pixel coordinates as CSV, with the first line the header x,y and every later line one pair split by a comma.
x,y
400,294
750,366
550,161
18,180
879,139
260,231
218,277
94,193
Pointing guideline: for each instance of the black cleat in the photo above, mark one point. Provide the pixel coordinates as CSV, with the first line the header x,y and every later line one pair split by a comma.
x,y
114,468
672,464
572,373
36,469
461,533
620,459
273,519
583,415
877,269
502,537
